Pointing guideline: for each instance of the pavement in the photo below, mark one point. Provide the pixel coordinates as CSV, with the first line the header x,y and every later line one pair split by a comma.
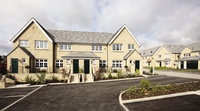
x,y
99,96
190,75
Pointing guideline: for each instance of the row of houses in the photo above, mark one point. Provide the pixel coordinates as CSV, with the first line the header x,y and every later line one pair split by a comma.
x,y
173,56
36,49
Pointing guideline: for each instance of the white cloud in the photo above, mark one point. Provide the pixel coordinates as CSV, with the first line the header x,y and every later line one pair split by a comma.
x,y
152,22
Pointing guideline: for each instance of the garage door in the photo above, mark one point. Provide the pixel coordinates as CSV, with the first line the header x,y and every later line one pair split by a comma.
x,y
192,64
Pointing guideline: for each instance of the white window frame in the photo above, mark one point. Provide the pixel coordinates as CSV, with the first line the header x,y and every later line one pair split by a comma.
x,y
97,48
102,63
41,44
117,47
59,63
187,54
130,46
167,63
117,63
41,63
23,43
65,47
167,55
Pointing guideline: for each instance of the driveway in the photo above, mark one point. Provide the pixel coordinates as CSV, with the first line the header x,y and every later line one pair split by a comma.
x,y
102,96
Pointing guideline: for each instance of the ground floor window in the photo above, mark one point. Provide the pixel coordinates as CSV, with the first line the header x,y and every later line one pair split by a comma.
x,y
59,63
117,64
167,63
41,63
102,63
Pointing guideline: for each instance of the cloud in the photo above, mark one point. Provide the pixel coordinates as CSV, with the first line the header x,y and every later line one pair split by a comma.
x,y
152,22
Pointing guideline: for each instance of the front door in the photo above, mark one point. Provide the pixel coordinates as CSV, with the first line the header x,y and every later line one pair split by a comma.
x,y
14,65
75,66
160,64
137,65
182,64
86,66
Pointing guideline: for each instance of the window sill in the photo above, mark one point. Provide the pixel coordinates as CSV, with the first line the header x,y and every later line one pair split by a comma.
x,y
118,51
65,50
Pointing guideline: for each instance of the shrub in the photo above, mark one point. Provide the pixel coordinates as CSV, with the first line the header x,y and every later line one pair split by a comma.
x,y
11,77
43,71
137,72
30,80
41,78
131,90
151,70
145,84
114,71
52,79
119,74
109,76
80,70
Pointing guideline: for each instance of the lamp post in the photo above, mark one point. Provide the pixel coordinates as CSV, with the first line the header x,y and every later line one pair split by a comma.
x,y
153,65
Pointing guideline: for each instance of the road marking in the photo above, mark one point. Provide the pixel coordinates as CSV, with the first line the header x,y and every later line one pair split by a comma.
x,y
13,96
21,99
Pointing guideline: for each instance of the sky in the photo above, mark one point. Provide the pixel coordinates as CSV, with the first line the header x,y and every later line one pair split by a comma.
x,y
152,22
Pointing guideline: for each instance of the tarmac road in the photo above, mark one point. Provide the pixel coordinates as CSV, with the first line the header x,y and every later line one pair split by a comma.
x,y
101,96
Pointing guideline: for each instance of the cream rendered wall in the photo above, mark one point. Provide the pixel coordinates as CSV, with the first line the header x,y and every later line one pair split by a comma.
x,y
123,38
33,33
185,50
80,47
173,57
18,54
135,56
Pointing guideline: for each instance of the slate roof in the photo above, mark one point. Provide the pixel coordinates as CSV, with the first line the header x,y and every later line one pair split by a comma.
x,y
194,46
81,54
190,58
150,51
66,36
26,51
128,54
174,48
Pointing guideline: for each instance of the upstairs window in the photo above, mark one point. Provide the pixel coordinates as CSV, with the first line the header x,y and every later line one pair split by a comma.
x,y
167,55
96,48
40,44
23,43
130,46
186,54
117,47
65,47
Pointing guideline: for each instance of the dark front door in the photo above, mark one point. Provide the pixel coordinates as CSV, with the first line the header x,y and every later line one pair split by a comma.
x,y
75,66
86,66
14,65
137,65
182,64
160,63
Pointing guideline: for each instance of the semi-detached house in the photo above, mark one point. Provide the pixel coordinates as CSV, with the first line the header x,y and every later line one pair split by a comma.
x,y
36,49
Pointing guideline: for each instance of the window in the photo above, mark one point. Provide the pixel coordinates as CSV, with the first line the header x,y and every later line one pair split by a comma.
x,y
117,63
186,54
117,47
102,63
65,47
96,48
59,63
167,55
41,63
167,63
131,61
40,44
159,56
130,46
23,43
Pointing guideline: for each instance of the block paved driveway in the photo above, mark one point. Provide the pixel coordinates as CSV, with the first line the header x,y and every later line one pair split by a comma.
x,y
79,97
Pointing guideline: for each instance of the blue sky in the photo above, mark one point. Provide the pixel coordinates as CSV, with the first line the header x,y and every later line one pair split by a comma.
x,y
152,22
